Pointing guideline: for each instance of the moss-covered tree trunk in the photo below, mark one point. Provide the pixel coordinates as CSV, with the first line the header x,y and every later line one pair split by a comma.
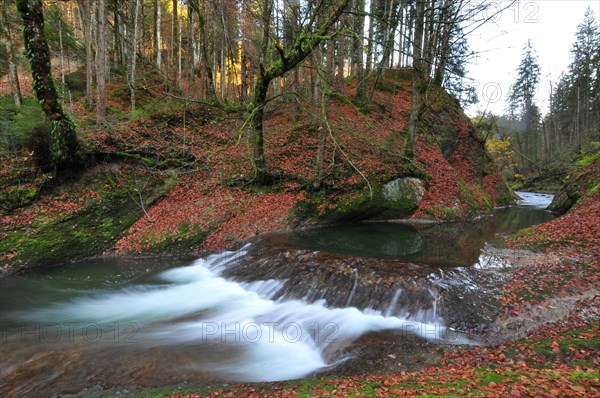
x,y
64,145
258,104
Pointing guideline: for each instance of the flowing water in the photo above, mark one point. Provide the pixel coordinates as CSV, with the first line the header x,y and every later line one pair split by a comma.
x,y
283,308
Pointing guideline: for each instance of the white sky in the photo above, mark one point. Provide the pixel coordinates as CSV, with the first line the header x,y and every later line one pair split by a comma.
x,y
550,24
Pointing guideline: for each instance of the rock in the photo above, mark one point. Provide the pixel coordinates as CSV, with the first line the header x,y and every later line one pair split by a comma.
x,y
404,190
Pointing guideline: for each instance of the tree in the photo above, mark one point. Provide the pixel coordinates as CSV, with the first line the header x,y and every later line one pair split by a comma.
x,y
522,101
358,47
12,59
417,76
101,63
305,42
157,32
585,75
85,9
63,138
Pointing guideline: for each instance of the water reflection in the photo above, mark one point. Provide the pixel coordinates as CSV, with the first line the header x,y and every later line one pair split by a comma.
x,y
444,244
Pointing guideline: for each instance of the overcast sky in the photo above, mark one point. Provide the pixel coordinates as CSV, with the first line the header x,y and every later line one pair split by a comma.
x,y
550,24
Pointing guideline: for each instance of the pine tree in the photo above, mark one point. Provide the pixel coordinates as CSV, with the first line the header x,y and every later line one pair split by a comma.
x,y
522,102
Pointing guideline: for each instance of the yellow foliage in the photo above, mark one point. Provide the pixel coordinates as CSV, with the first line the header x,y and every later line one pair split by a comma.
x,y
501,151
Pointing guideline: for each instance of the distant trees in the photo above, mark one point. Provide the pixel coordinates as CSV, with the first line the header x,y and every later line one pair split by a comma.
x,y
573,120
574,117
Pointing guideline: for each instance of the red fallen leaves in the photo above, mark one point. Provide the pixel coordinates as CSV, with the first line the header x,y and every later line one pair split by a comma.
x,y
456,182
530,284
231,213
51,207
575,270
443,190
259,214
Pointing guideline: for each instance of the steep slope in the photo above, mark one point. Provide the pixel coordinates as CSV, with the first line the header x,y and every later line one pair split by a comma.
x,y
187,172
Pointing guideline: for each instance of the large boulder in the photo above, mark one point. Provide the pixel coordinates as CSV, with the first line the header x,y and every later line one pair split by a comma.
x,y
404,190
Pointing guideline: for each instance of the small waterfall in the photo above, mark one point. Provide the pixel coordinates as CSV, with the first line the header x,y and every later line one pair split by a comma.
x,y
392,307
355,273
265,289
436,298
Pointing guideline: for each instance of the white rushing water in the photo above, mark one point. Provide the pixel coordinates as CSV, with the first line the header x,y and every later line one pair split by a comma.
x,y
273,340
534,199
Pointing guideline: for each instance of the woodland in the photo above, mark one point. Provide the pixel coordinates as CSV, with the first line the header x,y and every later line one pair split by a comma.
x,y
186,127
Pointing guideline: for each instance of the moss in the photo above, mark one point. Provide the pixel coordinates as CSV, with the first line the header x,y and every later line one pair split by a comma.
x,y
475,197
581,183
17,196
87,232
17,124
82,234
187,237
442,212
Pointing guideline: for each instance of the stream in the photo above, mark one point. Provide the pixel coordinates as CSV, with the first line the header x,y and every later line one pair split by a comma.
x,y
336,300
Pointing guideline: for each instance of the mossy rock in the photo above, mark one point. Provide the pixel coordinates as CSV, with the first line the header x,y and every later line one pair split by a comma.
x,y
584,181
398,198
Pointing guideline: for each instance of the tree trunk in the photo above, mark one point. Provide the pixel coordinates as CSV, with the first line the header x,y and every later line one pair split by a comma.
x,y
448,23
359,49
60,44
134,55
179,47
244,76
259,102
174,32
210,86
63,138
370,57
320,174
416,77
118,37
86,18
157,33
341,58
101,64
429,40
13,76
